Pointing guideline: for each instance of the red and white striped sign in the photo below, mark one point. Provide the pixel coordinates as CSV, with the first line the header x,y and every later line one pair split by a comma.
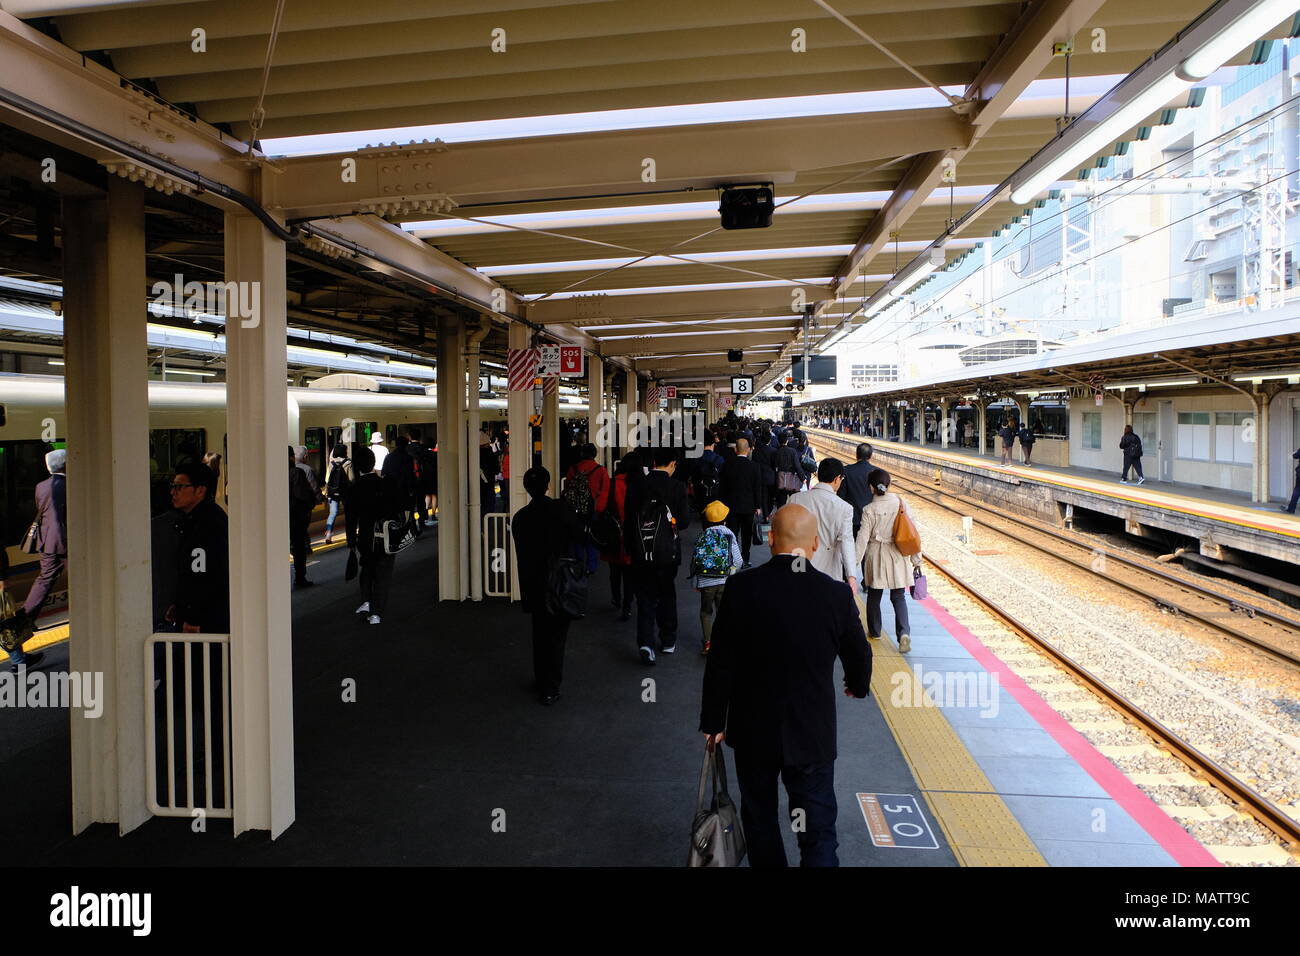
x,y
652,394
521,365
550,385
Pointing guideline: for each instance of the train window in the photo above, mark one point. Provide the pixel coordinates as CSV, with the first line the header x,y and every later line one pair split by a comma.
x,y
314,439
390,434
169,448
22,468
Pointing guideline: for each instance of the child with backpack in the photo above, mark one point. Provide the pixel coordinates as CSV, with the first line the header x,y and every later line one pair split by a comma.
x,y
716,555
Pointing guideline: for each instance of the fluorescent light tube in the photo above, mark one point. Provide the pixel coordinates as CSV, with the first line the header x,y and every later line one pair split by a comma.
x,y
1101,135
1241,33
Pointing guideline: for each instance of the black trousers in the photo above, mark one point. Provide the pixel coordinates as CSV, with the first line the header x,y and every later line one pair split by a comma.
x,y
742,526
549,636
299,543
1134,462
376,578
620,585
810,788
656,603
898,598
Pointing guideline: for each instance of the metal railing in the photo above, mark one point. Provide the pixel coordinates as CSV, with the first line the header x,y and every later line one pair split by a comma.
x,y
179,721
496,554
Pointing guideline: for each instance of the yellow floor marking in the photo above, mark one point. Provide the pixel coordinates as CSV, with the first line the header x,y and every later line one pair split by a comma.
x,y
980,828
45,638
59,633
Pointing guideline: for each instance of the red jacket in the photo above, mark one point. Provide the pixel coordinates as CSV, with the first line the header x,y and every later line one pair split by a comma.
x,y
617,500
597,480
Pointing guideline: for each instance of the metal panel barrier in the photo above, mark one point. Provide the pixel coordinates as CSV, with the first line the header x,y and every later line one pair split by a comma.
x,y
496,554
187,724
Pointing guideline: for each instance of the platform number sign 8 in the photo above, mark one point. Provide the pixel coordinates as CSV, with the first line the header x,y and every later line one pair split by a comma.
x,y
742,385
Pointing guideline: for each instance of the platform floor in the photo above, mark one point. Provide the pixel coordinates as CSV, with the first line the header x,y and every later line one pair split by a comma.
x,y
446,732
1214,503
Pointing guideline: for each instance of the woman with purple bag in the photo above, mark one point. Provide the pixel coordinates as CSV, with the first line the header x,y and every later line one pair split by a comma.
x,y
884,566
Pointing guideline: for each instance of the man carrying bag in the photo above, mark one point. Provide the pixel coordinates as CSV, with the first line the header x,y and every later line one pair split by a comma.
x,y
716,836
551,586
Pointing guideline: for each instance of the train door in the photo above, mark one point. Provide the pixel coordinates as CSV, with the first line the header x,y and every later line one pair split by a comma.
x,y
1165,443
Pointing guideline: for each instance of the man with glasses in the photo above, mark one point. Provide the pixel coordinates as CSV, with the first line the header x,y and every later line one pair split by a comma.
x,y
201,602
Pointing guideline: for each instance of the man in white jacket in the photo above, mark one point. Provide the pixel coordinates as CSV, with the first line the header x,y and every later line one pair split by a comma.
x,y
835,555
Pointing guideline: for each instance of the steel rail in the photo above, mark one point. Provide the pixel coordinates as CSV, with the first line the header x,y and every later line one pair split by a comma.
x,y
1200,765
1206,593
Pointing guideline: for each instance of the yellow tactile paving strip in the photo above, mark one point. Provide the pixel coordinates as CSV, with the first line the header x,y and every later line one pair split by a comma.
x,y
45,638
54,635
980,827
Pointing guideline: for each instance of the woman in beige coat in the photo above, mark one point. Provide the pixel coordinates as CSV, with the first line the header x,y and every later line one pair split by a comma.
x,y
884,567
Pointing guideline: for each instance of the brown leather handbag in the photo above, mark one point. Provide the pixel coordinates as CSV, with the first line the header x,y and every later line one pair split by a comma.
x,y
906,538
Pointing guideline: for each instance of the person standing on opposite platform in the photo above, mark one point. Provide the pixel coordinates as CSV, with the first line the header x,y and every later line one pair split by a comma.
x,y
1027,437
1008,433
544,530
1295,492
1131,445
769,689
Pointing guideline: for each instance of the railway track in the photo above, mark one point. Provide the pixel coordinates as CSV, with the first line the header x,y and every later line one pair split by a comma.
x,y
1198,763
1267,631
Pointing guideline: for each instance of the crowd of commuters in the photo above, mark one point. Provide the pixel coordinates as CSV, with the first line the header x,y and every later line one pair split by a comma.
x,y
771,631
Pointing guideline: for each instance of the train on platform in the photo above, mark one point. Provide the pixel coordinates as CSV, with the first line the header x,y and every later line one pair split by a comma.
x,y
187,420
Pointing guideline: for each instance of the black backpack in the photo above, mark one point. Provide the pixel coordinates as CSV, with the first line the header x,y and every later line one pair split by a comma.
x,y
577,494
656,542
566,589
337,484
707,481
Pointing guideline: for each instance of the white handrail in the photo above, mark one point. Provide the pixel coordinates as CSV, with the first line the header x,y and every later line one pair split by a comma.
x,y
210,644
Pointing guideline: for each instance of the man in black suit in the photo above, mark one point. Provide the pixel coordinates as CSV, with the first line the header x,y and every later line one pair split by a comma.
x,y
544,530
656,583
768,689
741,492
855,489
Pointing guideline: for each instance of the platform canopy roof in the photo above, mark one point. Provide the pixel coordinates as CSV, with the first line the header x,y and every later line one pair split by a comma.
x,y
570,152
1237,350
